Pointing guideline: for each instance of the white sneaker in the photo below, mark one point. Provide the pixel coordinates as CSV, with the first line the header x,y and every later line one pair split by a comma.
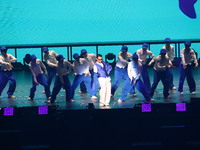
x,y
82,92
93,98
30,99
174,88
193,92
48,101
120,101
70,101
106,104
181,93
152,100
11,96
101,105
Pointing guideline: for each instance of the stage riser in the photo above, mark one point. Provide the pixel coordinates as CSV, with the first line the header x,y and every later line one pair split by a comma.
x,y
117,128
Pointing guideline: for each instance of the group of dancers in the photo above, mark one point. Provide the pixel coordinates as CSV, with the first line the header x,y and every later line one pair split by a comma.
x,y
93,74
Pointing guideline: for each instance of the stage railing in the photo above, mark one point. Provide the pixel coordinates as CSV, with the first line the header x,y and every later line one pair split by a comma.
x,y
70,46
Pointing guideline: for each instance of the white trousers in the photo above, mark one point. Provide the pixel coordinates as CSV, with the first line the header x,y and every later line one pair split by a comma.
x,y
105,91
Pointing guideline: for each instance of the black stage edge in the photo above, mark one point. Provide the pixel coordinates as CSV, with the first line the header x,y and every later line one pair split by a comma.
x,y
124,129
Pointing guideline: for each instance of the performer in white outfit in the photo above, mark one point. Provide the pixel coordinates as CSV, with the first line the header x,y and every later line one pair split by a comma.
x,y
102,71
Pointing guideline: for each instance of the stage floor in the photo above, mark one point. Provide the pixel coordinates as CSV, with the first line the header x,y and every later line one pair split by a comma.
x,y
24,84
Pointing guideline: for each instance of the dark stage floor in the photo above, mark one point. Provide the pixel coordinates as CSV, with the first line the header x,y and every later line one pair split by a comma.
x,y
81,100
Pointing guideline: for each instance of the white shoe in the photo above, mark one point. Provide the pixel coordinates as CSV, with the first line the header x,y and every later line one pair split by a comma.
x,y
82,92
174,88
11,96
106,104
93,98
193,92
43,92
133,95
120,101
48,101
181,93
30,99
71,101
101,105
152,100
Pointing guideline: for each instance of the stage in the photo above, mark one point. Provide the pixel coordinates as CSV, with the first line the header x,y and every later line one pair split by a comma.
x,y
100,27
164,124
24,83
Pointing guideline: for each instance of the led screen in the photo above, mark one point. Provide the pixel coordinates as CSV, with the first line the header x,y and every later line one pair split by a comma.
x,y
75,21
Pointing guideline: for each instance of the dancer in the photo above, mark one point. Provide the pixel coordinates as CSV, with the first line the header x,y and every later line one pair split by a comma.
x,y
81,73
26,61
187,55
170,54
102,71
38,76
50,58
161,72
6,72
121,69
63,68
91,59
142,57
133,80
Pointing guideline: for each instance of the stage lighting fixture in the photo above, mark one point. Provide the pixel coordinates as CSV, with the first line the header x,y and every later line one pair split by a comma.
x,y
146,107
43,110
180,106
8,111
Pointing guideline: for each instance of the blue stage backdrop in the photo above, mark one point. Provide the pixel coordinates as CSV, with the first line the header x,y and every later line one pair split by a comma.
x,y
75,21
